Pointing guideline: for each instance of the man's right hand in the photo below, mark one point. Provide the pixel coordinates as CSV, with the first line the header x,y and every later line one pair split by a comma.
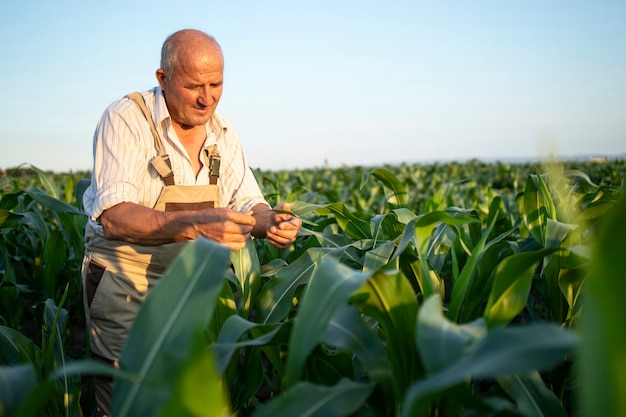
x,y
227,227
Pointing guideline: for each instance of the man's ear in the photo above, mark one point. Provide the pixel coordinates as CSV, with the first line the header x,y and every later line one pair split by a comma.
x,y
161,78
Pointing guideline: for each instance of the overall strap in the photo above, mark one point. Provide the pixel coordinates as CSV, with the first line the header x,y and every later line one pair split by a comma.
x,y
212,160
161,162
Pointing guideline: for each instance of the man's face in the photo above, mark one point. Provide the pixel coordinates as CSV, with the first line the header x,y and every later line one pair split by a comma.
x,y
194,88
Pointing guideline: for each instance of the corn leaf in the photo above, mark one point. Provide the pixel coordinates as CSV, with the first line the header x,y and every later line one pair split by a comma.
x,y
15,348
502,352
538,207
400,195
15,384
330,286
389,299
199,392
512,280
440,341
276,297
347,330
175,311
306,399
531,395
461,288
229,339
248,271
603,358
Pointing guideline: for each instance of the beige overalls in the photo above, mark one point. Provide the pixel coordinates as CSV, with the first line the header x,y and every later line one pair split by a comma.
x,y
117,275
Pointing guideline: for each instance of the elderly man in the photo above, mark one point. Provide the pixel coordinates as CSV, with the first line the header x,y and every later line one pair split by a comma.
x,y
167,169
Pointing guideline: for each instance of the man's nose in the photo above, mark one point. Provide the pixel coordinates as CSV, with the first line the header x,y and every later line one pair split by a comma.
x,y
205,98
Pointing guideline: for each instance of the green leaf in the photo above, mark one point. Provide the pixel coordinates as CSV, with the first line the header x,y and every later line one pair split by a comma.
x,y
9,219
225,307
55,319
512,280
352,225
90,367
54,258
276,297
389,299
538,207
175,311
603,358
504,351
558,235
532,396
16,348
48,182
379,256
81,187
420,230
403,215
440,341
248,271
15,384
330,286
557,232
461,288
348,331
400,195
229,338
310,400
199,391
53,203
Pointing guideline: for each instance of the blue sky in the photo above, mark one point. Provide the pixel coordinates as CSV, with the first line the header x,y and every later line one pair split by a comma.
x,y
334,83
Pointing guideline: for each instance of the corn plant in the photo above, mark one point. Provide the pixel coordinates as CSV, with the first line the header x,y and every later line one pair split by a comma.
x,y
448,289
40,258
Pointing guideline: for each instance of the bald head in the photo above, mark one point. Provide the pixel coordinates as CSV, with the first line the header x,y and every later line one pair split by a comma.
x,y
180,45
191,78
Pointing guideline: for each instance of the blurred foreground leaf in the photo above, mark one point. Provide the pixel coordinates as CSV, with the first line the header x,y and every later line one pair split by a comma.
x,y
174,313
603,359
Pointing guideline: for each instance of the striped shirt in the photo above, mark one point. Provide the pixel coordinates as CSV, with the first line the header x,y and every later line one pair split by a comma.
x,y
123,147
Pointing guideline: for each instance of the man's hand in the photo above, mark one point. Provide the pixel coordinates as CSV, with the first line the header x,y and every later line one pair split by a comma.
x,y
227,227
280,229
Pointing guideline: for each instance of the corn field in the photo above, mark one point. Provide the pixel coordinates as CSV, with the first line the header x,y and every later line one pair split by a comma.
x,y
456,289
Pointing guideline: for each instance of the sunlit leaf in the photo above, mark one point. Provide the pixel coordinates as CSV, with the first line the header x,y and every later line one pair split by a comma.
x,y
175,311
400,195
248,271
198,391
512,280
